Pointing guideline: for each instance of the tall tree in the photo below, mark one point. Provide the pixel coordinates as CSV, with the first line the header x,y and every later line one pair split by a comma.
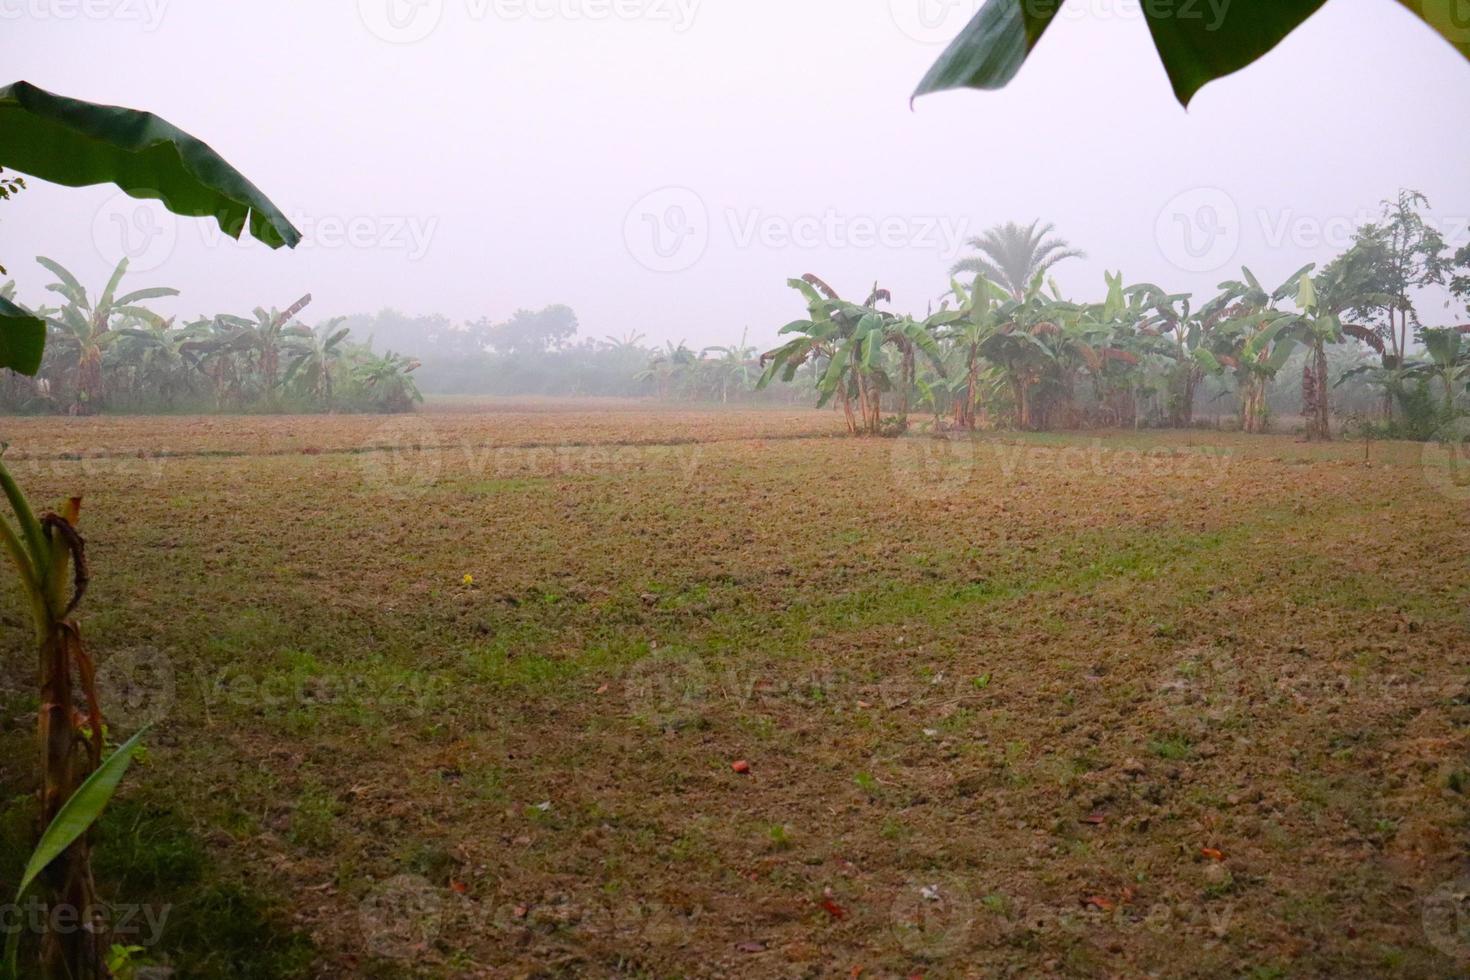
x,y
1013,255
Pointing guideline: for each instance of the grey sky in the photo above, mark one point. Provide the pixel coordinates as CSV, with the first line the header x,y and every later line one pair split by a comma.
x,y
527,152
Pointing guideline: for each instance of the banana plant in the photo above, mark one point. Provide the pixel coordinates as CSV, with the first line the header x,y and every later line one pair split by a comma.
x,y
836,337
979,313
313,355
49,557
1448,362
77,144
84,329
1256,338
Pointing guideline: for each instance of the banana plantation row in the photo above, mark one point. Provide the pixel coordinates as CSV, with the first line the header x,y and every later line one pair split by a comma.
x,y
112,351
1005,348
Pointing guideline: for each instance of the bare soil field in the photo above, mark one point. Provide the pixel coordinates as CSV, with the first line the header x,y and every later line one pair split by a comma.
x,y
549,690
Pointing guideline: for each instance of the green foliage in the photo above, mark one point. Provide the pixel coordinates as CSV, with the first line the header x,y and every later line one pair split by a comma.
x,y
1196,45
67,141
74,818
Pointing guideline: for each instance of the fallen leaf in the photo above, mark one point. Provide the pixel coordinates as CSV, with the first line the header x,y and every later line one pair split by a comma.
x,y
751,947
740,766
1212,854
602,689
1098,902
1096,819
833,909
458,887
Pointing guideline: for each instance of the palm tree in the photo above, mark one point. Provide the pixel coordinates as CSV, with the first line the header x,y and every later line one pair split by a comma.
x,y
85,330
313,355
1014,256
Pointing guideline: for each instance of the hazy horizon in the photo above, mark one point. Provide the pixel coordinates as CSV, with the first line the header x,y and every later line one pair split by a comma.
x,y
663,166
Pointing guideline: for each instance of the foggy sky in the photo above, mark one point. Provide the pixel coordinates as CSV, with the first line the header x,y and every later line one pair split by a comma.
x,y
663,166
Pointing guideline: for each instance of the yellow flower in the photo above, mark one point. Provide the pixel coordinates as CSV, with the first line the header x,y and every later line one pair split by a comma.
x,y
469,580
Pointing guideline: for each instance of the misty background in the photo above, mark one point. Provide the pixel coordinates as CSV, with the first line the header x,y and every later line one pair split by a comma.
x,y
663,166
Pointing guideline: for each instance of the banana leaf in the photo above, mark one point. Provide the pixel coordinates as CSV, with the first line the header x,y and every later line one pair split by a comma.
x,y
76,143
1196,43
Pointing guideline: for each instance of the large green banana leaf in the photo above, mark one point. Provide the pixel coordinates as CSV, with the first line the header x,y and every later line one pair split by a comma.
x,y
1197,40
75,143
67,141
22,338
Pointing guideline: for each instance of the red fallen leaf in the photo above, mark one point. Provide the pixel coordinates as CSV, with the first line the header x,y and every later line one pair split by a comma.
x,y
1212,854
1098,902
855,972
1096,819
833,909
458,887
740,766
